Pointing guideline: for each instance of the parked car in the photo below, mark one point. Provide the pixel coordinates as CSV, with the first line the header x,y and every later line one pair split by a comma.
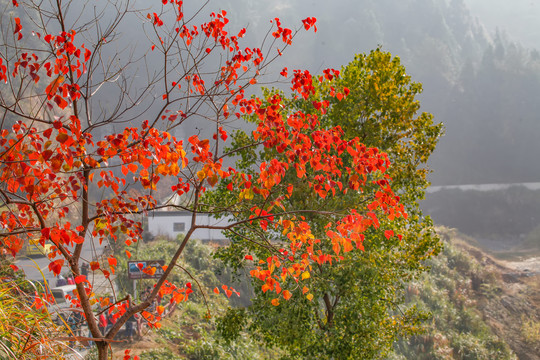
x,y
61,306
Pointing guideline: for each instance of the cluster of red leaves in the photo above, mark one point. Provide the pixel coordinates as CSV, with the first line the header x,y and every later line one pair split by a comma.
x,y
286,34
316,155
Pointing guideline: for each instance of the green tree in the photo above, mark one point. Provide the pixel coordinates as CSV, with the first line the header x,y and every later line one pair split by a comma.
x,y
357,309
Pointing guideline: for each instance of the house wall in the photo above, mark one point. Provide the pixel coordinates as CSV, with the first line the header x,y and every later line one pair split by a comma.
x,y
173,223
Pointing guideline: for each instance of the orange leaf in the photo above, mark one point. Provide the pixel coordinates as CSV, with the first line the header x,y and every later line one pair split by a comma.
x,y
275,302
178,297
53,86
62,138
287,294
133,167
216,290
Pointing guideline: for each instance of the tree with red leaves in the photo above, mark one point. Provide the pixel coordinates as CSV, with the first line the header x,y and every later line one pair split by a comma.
x,y
75,125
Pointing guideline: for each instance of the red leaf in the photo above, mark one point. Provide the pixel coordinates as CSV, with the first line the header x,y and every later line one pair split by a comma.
x,y
79,279
56,266
47,133
60,101
248,257
389,233
112,261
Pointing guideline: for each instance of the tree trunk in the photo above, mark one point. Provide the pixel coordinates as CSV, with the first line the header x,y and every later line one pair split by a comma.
x,y
102,348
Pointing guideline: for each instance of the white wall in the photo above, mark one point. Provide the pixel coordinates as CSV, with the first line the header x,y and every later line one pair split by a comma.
x,y
163,223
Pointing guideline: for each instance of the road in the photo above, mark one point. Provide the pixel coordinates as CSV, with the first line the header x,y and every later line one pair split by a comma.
x,y
37,267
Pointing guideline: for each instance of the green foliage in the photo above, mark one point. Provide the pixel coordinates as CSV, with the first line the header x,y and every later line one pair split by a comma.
x,y
231,323
26,328
159,354
450,292
530,329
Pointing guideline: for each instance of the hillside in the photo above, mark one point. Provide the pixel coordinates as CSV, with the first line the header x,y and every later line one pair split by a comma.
x,y
482,308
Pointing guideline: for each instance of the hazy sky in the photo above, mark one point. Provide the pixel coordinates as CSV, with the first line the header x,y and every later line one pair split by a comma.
x,y
520,19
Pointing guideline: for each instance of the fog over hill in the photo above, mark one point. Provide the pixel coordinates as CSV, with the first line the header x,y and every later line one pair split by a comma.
x,y
481,82
518,18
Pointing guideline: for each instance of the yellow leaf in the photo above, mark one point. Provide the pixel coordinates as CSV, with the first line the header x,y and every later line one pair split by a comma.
x,y
305,275
309,297
201,175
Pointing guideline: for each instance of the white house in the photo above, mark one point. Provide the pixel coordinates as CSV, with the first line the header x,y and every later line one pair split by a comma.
x,y
173,223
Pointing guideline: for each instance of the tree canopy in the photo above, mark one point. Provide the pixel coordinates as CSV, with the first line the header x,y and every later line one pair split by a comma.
x,y
356,308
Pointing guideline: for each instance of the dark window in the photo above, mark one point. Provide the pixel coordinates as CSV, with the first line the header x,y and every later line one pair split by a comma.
x,y
179,227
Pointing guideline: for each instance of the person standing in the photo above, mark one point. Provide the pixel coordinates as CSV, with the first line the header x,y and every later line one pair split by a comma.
x,y
102,323
129,327
84,269
61,281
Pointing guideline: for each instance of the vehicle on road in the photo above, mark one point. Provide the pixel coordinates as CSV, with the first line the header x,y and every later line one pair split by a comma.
x,y
61,304
35,248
